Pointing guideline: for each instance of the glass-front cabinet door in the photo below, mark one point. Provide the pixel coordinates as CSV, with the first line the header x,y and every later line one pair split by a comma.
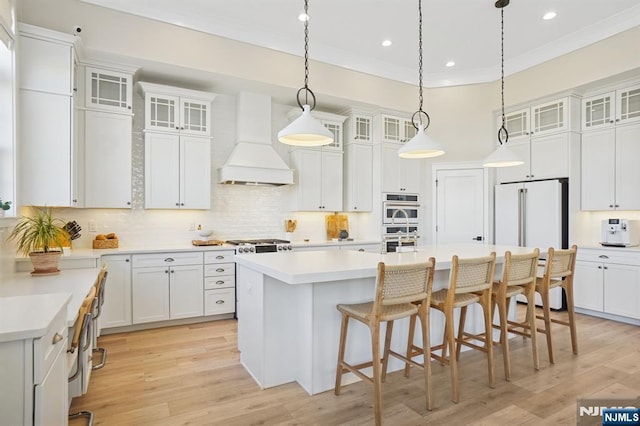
x,y
516,122
108,90
628,104
598,111
408,131
550,116
161,112
336,129
391,129
195,116
361,129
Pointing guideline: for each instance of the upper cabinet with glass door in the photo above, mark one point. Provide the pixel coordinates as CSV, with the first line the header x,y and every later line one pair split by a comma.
x,y
396,129
539,119
621,106
174,110
108,90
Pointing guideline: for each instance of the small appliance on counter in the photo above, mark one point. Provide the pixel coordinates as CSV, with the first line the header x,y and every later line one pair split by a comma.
x,y
620,233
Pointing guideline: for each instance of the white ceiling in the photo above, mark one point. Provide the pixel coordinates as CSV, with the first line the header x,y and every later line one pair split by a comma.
x,y
348,33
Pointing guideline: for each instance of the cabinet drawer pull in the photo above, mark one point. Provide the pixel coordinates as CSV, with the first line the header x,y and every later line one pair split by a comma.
x,y
219,282
56,338
219,257
603,256
169,259
220,270
219,302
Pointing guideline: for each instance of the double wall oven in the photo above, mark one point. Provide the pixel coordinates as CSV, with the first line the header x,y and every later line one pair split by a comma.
x,y
400,220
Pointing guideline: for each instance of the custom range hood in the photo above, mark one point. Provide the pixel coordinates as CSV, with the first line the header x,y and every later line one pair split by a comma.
x,y
253,160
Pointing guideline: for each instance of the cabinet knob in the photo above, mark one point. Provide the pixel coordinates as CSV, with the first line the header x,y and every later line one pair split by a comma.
x,y
56,338
605,267
526,176
611,205
355,208
182,204
181,128
617,119
599,267
126,260
617,205
611,121
177,204
129,107
75,200
177,128
172,271
128,203
361,249
166,271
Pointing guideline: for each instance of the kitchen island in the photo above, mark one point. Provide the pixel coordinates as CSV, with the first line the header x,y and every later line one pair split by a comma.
x,y
288,324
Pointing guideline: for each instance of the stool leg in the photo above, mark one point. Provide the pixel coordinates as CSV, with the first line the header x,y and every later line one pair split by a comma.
x,y
488,340
341,348
547,322
531,319
453,363
412,326
377,382
572,320
387,346
463,317
426,345
504,340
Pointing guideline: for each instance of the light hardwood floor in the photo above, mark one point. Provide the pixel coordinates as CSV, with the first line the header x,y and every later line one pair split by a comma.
x,y
191,375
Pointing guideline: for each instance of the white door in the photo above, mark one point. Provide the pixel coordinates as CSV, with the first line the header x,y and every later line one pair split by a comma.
x,y
627,170
195,173
150,294
598,169
460,209
186,292
116,311
162,171
331,181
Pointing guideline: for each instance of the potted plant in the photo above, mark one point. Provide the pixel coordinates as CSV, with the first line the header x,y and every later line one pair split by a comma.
x,y
4,206
41,238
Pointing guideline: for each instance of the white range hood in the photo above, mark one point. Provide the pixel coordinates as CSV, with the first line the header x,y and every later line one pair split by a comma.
x,y
253,160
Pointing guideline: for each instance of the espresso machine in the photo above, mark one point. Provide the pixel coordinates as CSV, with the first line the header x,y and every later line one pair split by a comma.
x,y
620,233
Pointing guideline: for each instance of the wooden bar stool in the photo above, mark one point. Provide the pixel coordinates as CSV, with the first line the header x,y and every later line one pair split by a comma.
x,y
397,287
518,277
470,282
558,272
80,344
99,284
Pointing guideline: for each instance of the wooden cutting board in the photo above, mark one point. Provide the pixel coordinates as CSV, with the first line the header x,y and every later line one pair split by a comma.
x,y
335,223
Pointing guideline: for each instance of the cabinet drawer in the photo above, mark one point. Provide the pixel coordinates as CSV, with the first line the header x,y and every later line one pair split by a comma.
x,y
609,256
222,256
211,283
47,348
216,270
219,301
167,259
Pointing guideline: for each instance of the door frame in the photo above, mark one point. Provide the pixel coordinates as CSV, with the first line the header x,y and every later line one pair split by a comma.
x,y
488,179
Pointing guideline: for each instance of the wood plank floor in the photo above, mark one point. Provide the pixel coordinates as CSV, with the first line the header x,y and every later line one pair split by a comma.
x,y
191,375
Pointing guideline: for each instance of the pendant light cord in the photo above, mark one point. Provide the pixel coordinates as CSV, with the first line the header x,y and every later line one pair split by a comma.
x,y
420,113
305,88
503,134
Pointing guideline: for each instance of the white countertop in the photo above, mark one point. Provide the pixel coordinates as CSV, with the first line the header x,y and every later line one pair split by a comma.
x,y
330,265
28,317
73,282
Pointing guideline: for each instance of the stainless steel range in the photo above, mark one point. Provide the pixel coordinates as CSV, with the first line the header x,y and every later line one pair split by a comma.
x,y
267,245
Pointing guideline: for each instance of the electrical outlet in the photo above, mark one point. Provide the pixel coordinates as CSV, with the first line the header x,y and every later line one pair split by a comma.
x,y
92,226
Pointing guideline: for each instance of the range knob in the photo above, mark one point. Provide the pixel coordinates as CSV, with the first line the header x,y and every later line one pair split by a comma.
x,y
289,247
240,250
280,248
250,249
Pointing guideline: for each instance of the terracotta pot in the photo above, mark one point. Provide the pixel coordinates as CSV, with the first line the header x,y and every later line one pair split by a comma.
x,y
45,263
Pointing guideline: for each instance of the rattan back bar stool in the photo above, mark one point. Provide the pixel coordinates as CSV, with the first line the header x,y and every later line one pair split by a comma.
x,y
558,272
470,282
397,287
518,277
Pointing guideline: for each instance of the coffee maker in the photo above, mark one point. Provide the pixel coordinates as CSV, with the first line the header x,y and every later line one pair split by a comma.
x,y
620,233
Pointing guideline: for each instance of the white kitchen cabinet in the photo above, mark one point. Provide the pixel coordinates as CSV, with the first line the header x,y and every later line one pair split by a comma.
x,y
107,171
611,108
34,374
609,168
541,118
45,69
116,311
399,174
319,180
177,110
545,157
219,282
608,282
167,286
177,171
396,129
358,176
108,90
359,128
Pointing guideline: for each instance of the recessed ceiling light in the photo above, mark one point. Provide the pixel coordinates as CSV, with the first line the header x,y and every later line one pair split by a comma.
x,y
387,43
549,15
303,17
450,63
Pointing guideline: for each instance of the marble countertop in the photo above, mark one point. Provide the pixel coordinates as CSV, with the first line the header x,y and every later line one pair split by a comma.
x,y
29,317
75,283
330,265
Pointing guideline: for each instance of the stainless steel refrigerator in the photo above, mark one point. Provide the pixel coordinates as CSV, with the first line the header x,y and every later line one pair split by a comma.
x,y
534,214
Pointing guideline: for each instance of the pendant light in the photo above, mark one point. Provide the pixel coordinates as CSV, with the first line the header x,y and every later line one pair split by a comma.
x,y
306,130
421,145
502,156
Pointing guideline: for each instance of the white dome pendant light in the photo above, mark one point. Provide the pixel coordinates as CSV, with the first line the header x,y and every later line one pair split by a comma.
x,y
306,130
502,156
421,145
